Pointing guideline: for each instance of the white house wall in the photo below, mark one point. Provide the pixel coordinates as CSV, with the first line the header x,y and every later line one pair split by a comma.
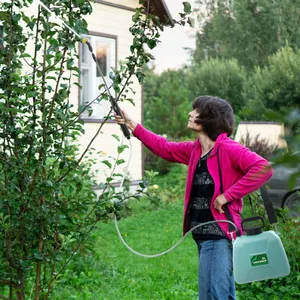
x,y
270,132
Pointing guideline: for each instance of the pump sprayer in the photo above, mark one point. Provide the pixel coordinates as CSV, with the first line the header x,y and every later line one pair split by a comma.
x,y
259,255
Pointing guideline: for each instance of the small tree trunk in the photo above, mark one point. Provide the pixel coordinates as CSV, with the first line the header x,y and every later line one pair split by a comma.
x,y
10,285
20,291
38,281
20,294
39,265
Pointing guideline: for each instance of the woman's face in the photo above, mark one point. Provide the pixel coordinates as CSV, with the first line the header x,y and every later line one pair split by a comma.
x,y
191,123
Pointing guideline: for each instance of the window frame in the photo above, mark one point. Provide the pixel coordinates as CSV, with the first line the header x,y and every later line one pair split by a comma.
x,y
87,119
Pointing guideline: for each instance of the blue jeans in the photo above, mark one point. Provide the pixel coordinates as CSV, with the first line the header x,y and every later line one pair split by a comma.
x,y
215,275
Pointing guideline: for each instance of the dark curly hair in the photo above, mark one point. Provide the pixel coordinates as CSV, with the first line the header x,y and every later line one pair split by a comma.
x,y
215,115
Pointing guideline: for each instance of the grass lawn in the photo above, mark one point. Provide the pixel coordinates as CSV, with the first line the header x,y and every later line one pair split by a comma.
x,y
116,273
111,272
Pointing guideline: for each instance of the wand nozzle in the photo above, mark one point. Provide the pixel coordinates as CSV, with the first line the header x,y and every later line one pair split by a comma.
x,y
113,102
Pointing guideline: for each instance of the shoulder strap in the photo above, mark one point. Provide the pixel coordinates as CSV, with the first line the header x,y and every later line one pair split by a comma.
x,y
268,205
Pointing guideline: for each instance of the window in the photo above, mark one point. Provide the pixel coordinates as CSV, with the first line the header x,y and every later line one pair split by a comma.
x,y
104,48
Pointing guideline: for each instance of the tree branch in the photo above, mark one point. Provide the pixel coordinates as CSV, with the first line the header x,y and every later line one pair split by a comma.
x,y
9,59
57,85
86,149
76,249
7,282
141,47
33,83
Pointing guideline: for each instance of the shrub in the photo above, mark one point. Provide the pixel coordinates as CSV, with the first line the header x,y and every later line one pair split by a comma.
x,y
259,145
276,86
222,78
166,111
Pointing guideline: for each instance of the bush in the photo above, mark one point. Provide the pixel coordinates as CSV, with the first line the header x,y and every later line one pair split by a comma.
x,y
276,86
166,111
164,189
222,78
167,104
259,145
172,185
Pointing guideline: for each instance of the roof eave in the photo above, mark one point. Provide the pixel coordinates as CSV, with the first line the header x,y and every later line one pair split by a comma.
x,y
161,10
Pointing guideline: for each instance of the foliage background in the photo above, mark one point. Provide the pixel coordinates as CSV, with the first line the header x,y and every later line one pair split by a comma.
x,y
247,52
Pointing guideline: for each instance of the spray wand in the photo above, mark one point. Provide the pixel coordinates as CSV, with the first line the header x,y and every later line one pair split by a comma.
x,y
112,100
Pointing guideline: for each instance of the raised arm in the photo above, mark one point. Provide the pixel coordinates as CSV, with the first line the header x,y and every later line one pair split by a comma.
x,y
172,151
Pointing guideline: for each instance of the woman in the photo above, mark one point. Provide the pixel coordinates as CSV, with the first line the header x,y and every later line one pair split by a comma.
x,y
220,172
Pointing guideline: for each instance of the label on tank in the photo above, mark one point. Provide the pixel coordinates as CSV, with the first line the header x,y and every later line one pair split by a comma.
x,y
258,260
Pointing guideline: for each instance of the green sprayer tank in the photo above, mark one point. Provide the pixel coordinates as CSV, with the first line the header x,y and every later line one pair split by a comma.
x,y
258,256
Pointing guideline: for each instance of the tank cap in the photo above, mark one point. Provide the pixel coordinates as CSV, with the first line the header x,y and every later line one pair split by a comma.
x,y
254,229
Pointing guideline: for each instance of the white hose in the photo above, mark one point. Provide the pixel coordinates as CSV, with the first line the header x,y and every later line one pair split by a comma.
x,y
175,245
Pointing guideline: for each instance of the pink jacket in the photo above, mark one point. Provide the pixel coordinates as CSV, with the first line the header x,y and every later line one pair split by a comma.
x,y
243,171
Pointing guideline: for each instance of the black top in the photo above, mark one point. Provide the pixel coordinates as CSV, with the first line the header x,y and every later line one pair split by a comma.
x,y
199,211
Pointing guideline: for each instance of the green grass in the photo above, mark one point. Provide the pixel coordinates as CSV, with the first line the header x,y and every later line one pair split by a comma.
x,y
116,273
110,271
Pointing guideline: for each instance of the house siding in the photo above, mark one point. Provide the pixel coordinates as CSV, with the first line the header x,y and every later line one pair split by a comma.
x,y
127,4
270,132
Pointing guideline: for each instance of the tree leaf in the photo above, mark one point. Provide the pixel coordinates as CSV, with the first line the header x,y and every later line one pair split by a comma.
x,y
187,7
117,175
120,161
116,137
122,148
191,22
106,162
131,101
151,43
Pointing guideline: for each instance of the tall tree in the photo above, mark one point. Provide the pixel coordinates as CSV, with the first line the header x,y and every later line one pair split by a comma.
x,y
167,103
248,30
218,77
275,87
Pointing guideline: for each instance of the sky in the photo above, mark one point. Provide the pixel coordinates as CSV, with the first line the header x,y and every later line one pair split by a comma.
x,y
170,53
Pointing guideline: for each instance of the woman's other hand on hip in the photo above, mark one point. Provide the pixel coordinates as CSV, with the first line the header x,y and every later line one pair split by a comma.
x,y
219,202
